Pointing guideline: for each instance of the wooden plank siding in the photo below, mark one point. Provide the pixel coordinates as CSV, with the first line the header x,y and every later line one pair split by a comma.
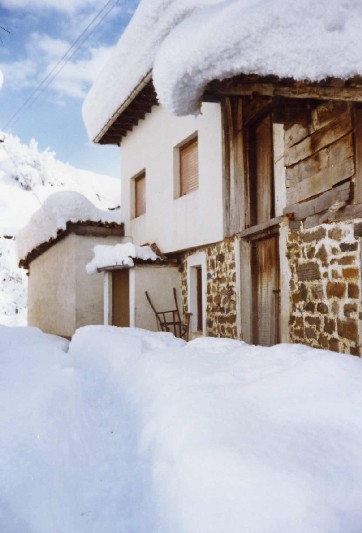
x,y
320,155
235,190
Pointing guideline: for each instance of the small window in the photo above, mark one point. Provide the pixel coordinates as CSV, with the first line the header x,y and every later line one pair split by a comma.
x,y
189,166
140,195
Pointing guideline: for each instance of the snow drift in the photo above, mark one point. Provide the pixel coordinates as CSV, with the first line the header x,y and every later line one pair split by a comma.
x,y
136,431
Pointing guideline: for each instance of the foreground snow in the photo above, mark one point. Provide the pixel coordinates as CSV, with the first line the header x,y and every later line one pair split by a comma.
x,y
132,431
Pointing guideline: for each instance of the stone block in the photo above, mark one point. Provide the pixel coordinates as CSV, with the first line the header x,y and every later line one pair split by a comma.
x,y
348,329
310,307
308,271
349,309
313,321
323,341
317,291
353,290
335,234
350,273
348,247
315,235
333,345
310,333
344,260
322,308
335,289
329,325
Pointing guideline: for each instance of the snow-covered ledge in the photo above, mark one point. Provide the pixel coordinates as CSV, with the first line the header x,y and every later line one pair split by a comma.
x,y
119,255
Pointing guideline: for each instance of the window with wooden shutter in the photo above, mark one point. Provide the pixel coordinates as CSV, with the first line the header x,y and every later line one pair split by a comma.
x,y
189,166
140,194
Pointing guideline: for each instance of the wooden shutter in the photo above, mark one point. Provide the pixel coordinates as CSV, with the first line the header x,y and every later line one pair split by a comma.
x,y
140,195
189,167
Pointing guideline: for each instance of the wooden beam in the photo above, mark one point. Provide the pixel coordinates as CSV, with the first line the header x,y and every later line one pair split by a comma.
x,y
292,90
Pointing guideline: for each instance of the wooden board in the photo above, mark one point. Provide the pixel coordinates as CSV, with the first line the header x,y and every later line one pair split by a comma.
x,y
234,166
338,196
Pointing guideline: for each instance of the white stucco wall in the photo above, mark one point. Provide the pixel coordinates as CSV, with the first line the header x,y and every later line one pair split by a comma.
x,y
159,281
51,289
89,288
174,223
61,295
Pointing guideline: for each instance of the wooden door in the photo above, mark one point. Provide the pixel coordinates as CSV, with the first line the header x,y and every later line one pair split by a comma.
x,y
120,298
266,293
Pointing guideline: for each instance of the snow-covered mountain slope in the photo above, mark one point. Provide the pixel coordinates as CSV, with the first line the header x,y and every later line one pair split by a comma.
x,y
27,177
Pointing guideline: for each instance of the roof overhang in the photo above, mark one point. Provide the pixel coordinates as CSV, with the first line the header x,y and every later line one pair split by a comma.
x,y
133,109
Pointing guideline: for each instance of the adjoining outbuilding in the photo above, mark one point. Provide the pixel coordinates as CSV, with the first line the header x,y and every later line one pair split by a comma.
x,y
55,247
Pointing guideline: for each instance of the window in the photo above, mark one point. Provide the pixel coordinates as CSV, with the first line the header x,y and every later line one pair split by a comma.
x,y
189,166
261,175
139,195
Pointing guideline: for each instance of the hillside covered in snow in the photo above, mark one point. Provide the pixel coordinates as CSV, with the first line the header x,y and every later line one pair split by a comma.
x,y
28,177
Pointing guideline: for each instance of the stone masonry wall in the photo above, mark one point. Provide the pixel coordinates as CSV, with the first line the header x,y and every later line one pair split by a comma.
x,y
325,286
220,290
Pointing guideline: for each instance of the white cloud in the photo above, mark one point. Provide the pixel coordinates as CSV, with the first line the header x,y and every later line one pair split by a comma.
x,y
43,55
60,5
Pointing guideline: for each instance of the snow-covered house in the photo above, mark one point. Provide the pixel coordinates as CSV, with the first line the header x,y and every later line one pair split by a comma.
x,y
55,247
260,196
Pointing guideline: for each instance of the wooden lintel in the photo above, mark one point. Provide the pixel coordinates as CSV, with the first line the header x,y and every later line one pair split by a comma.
x,y
255,231
296,90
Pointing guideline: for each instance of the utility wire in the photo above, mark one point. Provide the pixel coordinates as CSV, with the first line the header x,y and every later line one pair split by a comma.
x,y
58,67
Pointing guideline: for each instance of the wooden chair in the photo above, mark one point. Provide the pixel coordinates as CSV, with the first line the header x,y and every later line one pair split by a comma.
x,y
170,321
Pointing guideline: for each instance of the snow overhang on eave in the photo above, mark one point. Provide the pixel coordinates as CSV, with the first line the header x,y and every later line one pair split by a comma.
x,y
133,109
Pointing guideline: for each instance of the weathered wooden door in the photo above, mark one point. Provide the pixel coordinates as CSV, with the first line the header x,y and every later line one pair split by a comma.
x,y
120,298
266,293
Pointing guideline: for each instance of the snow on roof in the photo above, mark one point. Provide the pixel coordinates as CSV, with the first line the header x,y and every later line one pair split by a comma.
x,y
119,254
187,46
133,59
57,210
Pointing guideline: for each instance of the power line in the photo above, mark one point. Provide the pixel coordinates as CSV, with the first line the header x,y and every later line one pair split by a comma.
x,y
58,67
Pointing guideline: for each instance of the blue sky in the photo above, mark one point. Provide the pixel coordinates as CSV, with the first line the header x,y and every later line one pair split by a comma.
x,y
41,31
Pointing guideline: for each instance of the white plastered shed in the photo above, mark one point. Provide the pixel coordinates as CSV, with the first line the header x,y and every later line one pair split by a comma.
x,y
55,247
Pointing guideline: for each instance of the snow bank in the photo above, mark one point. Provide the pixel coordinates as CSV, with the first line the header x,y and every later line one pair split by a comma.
x,y
191,44
119,254
133,58
222,436
136,431
58,209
